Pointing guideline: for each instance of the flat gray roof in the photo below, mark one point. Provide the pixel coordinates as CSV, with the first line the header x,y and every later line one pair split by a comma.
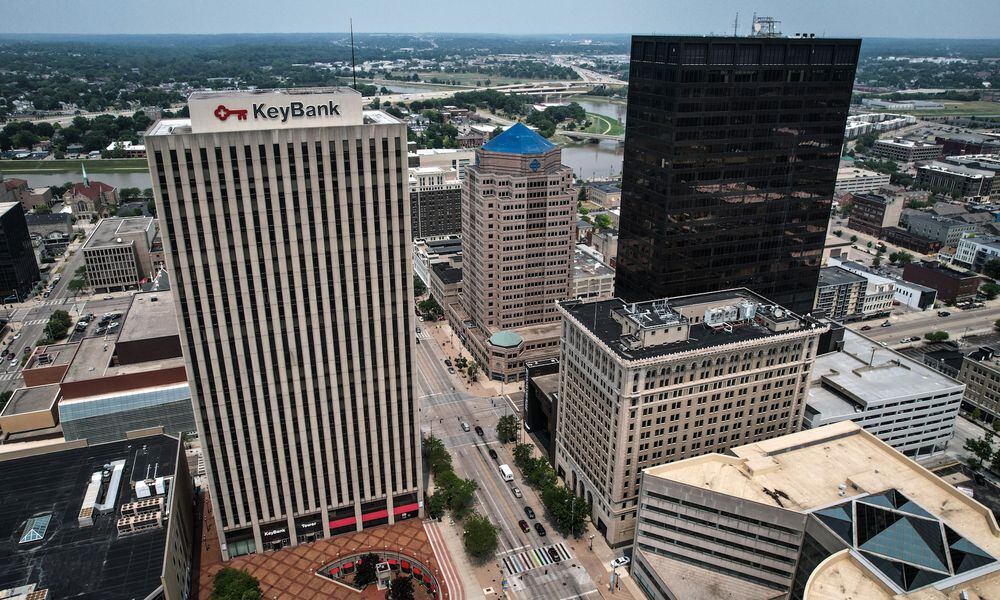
x,y
837,276
110,229
867,379
148,318
32,399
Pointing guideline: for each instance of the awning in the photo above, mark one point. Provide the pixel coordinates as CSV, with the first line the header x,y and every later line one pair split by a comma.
x,y
343,522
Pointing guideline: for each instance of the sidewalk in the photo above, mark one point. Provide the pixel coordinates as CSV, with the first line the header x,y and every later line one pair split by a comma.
x,y
451,347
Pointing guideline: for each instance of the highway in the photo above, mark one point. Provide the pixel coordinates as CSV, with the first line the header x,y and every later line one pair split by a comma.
x,y
445,404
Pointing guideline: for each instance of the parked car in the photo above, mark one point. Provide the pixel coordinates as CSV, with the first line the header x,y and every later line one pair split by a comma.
x,y
524,526
530,512
447,362
621,561
885,324
17,335
479,431
517,492
451,370
539,529
465,426
492,453
944,313
866,328
13,363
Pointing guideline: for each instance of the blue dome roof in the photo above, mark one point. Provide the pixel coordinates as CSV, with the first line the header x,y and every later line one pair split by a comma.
x,y
519,139
505,339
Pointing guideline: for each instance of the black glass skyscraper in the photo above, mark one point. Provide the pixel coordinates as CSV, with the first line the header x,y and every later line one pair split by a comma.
x,y
731,155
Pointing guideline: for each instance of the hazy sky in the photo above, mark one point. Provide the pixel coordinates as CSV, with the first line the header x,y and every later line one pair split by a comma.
x,y
866,18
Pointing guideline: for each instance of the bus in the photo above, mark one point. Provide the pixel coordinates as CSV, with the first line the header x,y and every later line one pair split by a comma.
x,y
506,473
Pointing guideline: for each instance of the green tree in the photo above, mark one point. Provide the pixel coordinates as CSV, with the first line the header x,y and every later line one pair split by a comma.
x,y
996,324
43,209
235,584
419,289
854,238
936,336
582,194
401,588
901,258
981,449
78,283
877,261
996,427
507,428
602,221
472,371
459,493
990,290
976,414
992,268
567,510
365,572
57,326
479,536
436,455
522,454
4,398
430,307
435,505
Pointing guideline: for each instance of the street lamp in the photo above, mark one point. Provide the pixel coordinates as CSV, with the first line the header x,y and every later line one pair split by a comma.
x,y
591,542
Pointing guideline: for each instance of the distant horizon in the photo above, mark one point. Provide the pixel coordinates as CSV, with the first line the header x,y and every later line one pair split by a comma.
x,y
458,34
898,19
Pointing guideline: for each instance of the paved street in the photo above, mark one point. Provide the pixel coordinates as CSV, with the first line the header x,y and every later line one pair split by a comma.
x,y
445,403
915,324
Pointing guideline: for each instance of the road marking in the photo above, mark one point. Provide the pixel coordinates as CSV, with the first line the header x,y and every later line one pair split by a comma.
x,y
534,558
583,595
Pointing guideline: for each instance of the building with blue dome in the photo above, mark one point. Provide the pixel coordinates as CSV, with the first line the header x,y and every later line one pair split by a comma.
x,y
518,232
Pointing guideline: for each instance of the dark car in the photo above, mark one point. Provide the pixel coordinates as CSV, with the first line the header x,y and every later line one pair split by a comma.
x,y
447,362
479,431
554,554
944,313
539,529
492,453
524,526
866,328
530,512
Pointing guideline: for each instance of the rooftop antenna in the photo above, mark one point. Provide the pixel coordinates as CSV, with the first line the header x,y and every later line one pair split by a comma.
x,y
736,24
354,67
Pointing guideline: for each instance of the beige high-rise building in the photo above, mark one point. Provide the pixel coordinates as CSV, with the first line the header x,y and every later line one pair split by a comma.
x,y
287,234
653,382
518,232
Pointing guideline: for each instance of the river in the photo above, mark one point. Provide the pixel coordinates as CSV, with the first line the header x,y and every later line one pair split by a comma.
x,y
35,179
589,160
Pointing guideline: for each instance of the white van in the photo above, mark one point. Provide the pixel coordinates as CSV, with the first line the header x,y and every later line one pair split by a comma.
x,y
506,473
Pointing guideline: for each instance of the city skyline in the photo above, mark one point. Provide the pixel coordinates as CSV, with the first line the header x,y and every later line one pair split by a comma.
x,y
920,19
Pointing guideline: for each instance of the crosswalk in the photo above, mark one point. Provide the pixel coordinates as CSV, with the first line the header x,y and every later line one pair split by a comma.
x,y
9,376
58,302
36,322
533,558
424,335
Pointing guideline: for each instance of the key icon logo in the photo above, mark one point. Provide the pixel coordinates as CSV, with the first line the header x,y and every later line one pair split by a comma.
x,y
222,113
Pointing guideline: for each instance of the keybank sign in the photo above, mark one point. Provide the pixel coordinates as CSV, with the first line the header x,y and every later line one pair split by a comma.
x,y
294,110
238,112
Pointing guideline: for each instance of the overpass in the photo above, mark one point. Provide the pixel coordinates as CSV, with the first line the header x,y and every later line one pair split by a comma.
x,y
581,135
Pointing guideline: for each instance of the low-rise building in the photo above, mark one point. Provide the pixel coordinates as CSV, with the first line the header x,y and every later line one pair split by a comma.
x,y
541,402
112,520
951,285
126,149
879,291
903,150
945,230
446,283
117,254
898,236
90,199
445,158
35,197
840,294
905,404
872,213
54,229
428,252
591,277
974,251
606,242
607,194
435,202
957,179
823,514
914,295
653,382
980,373
854,180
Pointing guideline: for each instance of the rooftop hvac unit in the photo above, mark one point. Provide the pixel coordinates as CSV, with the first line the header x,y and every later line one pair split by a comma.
x,y
142,489
748,310
721,314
